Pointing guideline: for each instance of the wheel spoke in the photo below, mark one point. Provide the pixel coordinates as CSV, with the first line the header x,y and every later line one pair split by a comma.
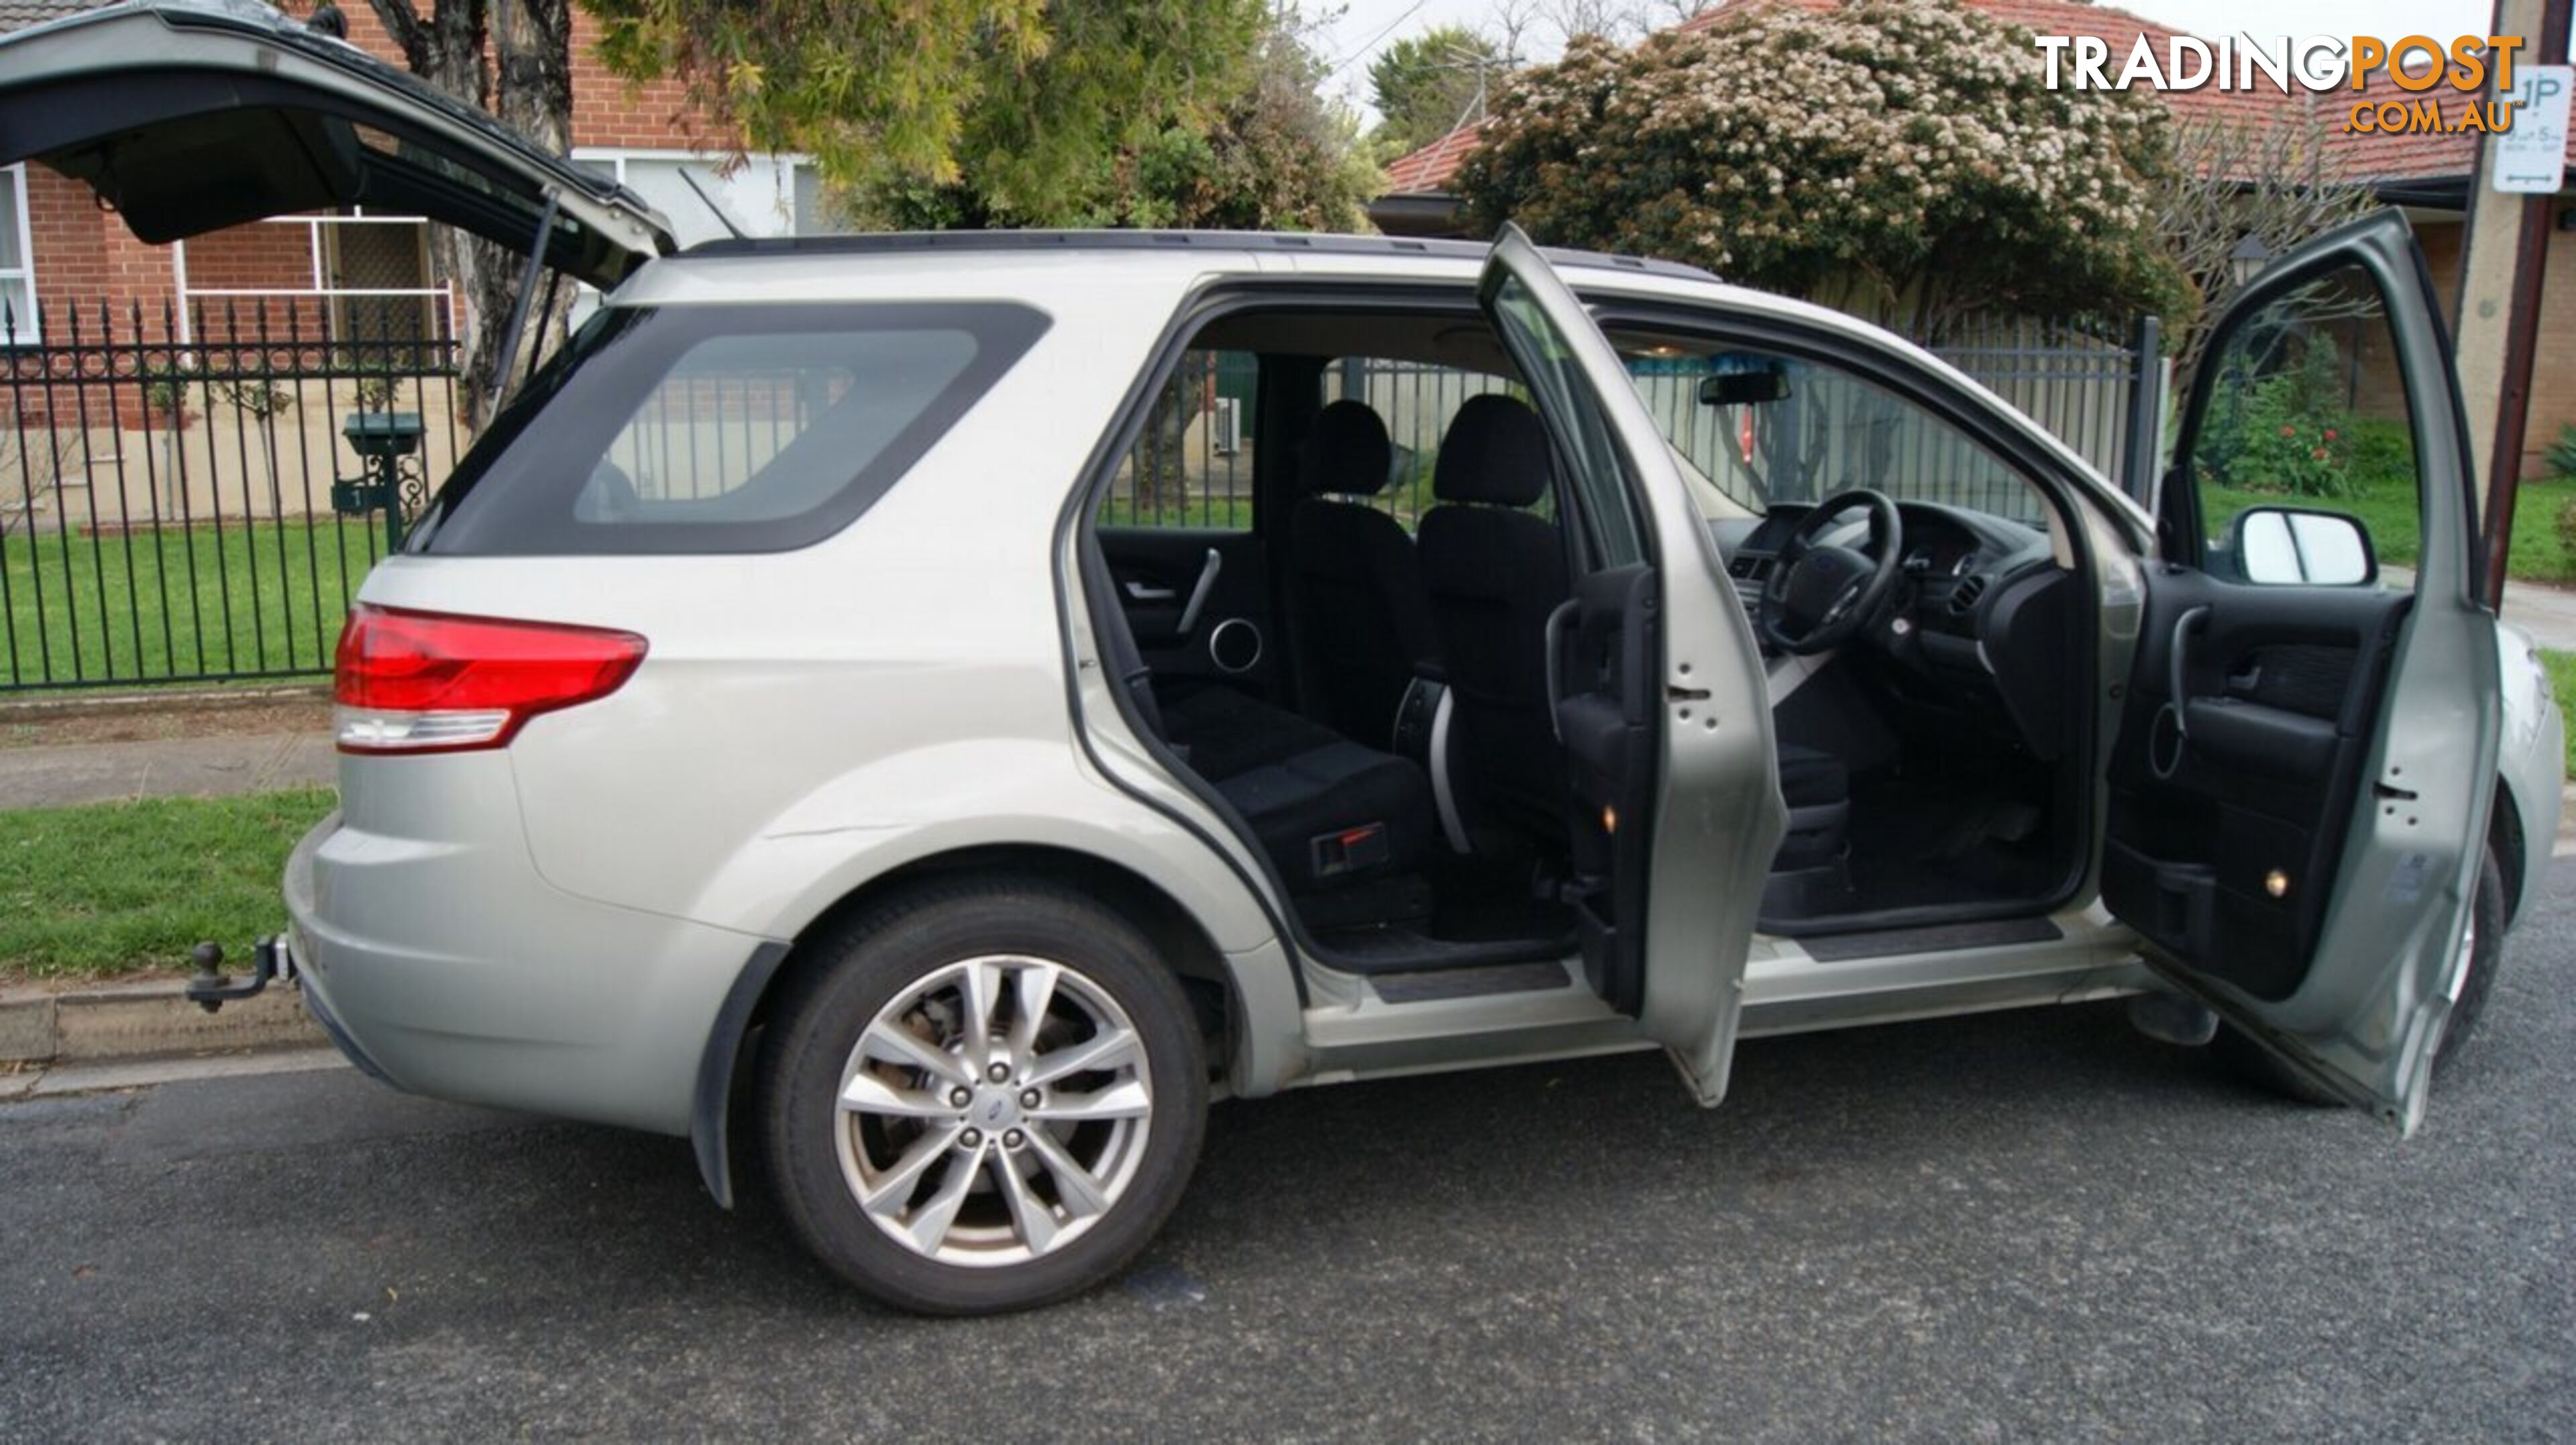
x,y
1029,1214
1097,1052
1036,993
983,990
929,1224
1126,1100
891,1041
865,1093
889,1192
1073,1183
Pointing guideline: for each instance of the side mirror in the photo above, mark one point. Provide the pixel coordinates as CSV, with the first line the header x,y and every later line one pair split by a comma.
x,y
2294,547
1742,388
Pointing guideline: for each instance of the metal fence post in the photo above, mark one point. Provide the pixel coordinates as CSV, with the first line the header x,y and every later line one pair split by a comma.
x,y
2146,441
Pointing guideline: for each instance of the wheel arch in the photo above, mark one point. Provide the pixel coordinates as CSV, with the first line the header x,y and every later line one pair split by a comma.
x,y
2505,836
1237,996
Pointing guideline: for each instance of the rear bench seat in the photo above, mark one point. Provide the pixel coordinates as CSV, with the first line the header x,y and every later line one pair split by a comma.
x,y
1329,812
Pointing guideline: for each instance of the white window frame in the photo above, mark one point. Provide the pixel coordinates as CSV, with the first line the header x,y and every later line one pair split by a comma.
x,y
317,249
616,157
29,333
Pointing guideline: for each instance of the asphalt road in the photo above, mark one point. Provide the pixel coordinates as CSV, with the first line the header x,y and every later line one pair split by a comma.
x,y
2032,1226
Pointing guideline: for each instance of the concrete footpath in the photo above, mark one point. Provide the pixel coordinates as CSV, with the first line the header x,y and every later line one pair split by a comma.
x,y
2547,613
54,775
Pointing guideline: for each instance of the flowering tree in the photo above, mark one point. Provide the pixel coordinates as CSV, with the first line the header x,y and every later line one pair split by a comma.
x,y
1900,158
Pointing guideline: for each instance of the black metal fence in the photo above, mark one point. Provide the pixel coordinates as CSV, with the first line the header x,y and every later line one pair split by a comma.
x,y
192,495
1193,466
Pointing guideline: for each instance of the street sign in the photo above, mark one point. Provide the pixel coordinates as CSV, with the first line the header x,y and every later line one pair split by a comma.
x,y
2532,157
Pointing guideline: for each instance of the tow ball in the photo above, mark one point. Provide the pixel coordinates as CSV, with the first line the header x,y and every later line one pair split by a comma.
x,y
211,988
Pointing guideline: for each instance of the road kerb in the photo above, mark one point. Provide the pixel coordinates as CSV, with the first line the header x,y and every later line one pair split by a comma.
x,y
145,1020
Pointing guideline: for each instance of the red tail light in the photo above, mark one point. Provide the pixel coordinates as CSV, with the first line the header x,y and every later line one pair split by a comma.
x,y
428,682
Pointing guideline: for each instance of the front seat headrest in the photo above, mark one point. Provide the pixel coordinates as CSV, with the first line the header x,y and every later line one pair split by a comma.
x,y
1496,451
1347,452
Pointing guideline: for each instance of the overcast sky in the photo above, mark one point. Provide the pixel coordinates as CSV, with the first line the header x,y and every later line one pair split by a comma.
x,y
1363,27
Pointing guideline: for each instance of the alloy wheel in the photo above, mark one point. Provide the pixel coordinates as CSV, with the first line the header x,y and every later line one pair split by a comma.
x,y
994,1110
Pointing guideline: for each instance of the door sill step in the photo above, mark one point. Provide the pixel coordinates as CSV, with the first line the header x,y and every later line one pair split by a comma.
x,y
1449,983
1936,938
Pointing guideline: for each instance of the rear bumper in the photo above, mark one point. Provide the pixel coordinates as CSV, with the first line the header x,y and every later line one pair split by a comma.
x,y
457,973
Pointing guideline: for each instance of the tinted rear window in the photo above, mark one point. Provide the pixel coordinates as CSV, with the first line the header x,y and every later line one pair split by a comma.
x,y
719,428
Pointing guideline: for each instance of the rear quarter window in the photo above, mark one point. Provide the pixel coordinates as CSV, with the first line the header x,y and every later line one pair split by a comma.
x,y
680,429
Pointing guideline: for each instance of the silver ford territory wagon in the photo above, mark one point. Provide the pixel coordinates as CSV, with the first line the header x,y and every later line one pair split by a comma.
x,y
921,716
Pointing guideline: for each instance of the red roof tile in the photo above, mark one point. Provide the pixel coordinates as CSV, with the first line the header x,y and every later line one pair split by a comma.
x,y
1425,171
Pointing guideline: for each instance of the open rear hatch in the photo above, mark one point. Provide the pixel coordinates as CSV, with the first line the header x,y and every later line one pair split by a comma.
x,y
191,117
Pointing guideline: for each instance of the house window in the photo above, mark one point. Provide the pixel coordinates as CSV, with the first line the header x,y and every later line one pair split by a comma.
x,y
380,287
765,196
17,262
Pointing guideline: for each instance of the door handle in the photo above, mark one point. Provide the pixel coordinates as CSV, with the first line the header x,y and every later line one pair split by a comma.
x,y
1556,621
1139,592
2159,762
2184,627
1199,593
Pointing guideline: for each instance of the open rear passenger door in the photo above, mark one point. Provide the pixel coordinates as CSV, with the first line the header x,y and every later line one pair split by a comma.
x,y
1658,691
2301,784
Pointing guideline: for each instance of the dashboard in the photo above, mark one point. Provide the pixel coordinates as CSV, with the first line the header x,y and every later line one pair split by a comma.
x,y
1979,625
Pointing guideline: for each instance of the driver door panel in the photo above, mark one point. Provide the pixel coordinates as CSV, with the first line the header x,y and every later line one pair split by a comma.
x,y
2231,800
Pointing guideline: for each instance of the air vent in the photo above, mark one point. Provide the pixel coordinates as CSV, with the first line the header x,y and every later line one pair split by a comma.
x,y
1751,568
1963,598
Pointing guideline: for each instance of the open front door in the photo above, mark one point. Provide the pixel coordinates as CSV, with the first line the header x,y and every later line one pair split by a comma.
x,y
1658,691
2300,789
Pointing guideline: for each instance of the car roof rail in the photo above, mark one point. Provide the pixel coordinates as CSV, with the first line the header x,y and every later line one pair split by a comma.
x,y
885,242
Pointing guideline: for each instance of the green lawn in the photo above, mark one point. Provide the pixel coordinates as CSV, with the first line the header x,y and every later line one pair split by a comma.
x,y
2388,510
108,887
257,598
2562,681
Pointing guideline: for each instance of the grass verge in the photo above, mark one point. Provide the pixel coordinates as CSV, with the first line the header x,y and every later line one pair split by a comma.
x,y
2562,681
109,887
2389,511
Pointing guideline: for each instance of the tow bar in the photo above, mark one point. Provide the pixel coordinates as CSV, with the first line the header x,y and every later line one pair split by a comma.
x,y
211,989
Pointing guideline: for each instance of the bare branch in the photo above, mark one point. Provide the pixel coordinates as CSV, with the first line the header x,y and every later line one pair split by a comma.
x,y
2275,185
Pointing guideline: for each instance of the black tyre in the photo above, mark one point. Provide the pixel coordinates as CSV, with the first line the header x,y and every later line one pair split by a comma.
x,y
981,1097
2250,1063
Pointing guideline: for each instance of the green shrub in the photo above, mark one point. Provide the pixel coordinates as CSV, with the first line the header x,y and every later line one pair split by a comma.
x,y
2381,453
2567,528
2562,455
2274,435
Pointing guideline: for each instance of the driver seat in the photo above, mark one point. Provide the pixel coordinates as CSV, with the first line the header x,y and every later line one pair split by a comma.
x,y
1817,787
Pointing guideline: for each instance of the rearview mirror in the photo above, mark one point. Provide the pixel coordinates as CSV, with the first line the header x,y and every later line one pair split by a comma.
x,y
1741,388
2294,547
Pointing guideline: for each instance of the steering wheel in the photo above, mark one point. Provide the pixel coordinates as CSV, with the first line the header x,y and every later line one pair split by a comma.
x,y
1820,597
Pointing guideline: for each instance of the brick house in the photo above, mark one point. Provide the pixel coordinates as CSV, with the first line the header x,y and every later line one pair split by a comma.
x,y
2427,175
353,272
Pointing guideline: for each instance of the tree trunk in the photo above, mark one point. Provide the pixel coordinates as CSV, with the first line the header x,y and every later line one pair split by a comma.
x,y
514,59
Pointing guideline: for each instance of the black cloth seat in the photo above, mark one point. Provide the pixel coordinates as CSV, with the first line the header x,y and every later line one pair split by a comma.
x,y
1329,812
1817,787
1494,572
1359,621
1812,776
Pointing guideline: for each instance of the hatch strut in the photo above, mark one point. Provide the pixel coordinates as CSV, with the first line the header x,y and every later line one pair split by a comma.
x,y
527,293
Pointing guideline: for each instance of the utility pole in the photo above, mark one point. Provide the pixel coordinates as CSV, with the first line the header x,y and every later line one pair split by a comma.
x,y
2502,263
